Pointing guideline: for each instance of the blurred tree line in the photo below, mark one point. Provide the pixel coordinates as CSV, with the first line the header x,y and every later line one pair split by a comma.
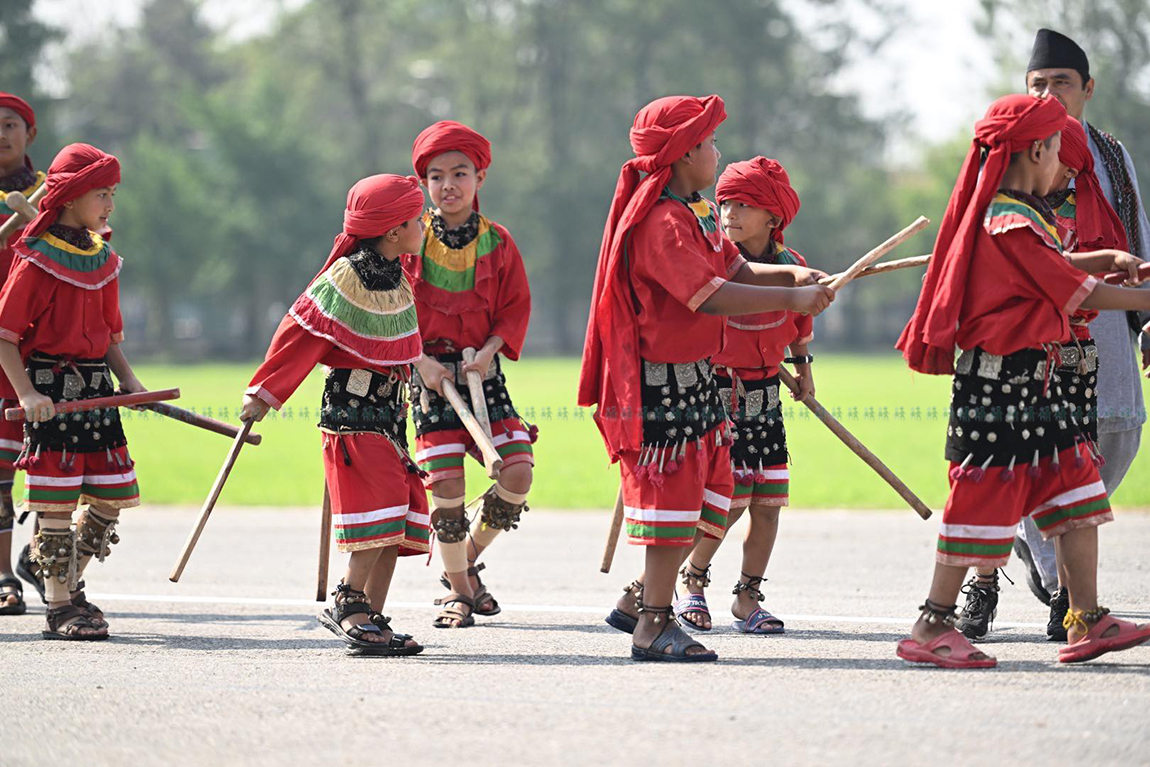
x,y
237,154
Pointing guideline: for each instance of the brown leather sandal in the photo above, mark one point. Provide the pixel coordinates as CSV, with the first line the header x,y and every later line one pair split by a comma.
x,y
452,616
67,621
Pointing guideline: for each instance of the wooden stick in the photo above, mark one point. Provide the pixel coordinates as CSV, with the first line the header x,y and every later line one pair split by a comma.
x,y
1117,278
20,217
202,421
613,534
97,403
478,398
324,546
889,266
210,503
842,279
491,459
858,448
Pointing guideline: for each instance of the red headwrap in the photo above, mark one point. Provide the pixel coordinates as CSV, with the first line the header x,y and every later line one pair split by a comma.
x,y
450,136
1097,224
760,183
374,205
19,106
663,132
77,169
1011,125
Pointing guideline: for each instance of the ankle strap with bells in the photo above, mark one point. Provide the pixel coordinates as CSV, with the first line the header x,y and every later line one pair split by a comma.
x,y
933,613
661,613
751,585
700,579
1081,620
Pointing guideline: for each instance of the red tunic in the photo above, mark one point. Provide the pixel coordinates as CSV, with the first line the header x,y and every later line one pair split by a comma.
x,y
1021,290
41,312
675,267
292,355
757,343
496,302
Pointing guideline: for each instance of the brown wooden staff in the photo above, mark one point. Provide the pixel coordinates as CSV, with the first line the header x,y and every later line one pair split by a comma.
x,y
478,398
1117,278
613,534
98,403
324,546
491,458
889,266
856,447
25,208
202,421
210,503
840,280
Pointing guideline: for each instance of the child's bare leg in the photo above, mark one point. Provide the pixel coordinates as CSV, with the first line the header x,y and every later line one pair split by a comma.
x,y
9,596
629,602
660,566
511,491
359,567
54,550
943,594
694,575
451,529
1078,550
758,544
379,583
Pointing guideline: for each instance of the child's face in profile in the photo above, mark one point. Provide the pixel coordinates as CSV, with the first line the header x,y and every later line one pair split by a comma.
x,y
704,165
91,209
1063,178
1049,166
744,222
411,234
452,182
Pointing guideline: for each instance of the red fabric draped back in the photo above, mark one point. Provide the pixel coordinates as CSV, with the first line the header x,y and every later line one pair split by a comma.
x,y
760,183
1097,224
1011,125
663,132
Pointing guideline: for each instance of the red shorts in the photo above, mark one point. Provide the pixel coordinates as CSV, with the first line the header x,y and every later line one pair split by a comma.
x,y
11,437
769,487
696,497
375,501
980,518
440,453
51,484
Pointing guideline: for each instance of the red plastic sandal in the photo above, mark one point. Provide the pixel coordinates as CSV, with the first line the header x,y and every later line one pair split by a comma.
x,y
1094,643
960,648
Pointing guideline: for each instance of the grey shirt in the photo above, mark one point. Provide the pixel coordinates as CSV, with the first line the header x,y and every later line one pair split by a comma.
x,y
1120,405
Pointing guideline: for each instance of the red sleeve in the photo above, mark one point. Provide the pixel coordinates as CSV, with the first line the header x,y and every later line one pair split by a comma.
x,y
25,296
512,301
667,252
112,310
293,354
1050,273
732,258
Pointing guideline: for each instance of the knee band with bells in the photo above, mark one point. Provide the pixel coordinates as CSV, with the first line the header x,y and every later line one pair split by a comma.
x,y
502,508
54,552
96,533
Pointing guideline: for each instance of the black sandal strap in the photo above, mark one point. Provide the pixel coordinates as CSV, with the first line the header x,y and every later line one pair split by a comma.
x,y
70,617
690,573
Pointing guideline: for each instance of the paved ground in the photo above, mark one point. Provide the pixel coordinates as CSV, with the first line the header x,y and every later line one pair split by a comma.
x,y
230,666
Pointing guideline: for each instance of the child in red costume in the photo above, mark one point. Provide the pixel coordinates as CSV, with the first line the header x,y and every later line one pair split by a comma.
x,y
1000,290
357,319
666,277
471,292
757,203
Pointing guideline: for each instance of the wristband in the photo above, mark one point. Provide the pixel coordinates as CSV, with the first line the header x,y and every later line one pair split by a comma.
x,y
805,359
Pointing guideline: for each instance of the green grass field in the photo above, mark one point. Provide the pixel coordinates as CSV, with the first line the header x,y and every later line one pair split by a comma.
x,y
900,416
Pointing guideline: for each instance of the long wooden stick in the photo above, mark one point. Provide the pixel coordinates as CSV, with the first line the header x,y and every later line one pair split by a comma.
x,y
202,421
842,279
889,266
478,398
97,403
491,459
858,448
1117,278
17,202
613,534
210,503
324,546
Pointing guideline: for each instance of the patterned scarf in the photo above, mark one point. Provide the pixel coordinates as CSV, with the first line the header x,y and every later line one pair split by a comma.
x,y
1125,199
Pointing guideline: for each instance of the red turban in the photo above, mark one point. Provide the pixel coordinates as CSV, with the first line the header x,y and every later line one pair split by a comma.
x,y
77,170
450,136
760,183
19,106
374,205
1011,125
663,132
1096,222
